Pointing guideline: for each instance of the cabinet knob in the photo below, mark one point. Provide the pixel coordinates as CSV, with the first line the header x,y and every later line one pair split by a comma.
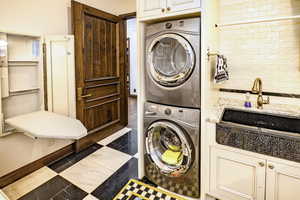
x,y
163,10
262,164
271,166
168,8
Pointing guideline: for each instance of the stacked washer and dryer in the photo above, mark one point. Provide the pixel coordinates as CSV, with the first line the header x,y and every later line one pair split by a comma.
x,y
172,110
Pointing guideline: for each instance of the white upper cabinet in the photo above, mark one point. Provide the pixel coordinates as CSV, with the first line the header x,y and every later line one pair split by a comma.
x,y
150,8
154,9
181,5
236,176
283,182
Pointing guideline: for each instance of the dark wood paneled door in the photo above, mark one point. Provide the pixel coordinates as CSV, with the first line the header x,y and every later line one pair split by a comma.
x,y
100,69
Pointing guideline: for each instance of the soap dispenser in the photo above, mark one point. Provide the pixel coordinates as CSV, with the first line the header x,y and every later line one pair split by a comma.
x,y
247,101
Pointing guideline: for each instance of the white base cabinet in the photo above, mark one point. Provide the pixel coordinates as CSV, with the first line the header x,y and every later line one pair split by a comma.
x,y
235,176
283,182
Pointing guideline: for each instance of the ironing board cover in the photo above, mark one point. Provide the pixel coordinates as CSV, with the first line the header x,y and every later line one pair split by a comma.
x,y
43,124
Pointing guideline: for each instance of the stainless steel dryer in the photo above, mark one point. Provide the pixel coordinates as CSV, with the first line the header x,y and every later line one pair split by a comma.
x,y
173,63
172,143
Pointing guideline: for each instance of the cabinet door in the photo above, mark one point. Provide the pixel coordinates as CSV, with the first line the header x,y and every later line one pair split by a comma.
x,y
283,182
236,176
180,5
61,97
152,8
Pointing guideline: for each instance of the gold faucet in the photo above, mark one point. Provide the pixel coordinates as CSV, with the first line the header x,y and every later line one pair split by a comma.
x,y
257,89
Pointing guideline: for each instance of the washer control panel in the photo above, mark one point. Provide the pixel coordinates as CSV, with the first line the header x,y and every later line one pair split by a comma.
x,y
168,111
169,25
188,115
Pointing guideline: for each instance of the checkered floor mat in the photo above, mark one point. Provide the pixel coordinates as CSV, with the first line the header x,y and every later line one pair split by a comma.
x,y
187,188
136,190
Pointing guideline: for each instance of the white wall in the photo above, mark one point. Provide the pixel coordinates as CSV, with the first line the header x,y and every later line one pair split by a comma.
x,y
132,34
269,50
51,16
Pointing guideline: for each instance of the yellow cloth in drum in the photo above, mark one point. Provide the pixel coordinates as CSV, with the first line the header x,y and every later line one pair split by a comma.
x,y
172,157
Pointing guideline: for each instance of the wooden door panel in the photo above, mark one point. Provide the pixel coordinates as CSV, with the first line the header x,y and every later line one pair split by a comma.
x,y
100,69
102,114
103,91
100,51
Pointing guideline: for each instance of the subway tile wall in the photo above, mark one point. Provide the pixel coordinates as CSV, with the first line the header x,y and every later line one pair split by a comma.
x,y
269,50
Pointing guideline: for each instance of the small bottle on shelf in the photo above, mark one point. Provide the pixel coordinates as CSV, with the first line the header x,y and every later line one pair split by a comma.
x,y
247,103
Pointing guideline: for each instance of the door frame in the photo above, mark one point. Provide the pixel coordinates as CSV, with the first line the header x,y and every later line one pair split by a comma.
x,y
78,12
125,17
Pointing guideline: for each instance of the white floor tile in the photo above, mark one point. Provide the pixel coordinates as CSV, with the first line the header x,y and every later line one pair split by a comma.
x,y
115,136
29,183
87,174
90,197
110,158
92,171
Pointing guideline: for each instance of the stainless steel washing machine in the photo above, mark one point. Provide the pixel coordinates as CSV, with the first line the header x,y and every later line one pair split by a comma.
x,y
172,146
173,63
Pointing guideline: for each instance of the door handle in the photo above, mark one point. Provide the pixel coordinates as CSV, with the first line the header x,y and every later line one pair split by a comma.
x,y
271,166
86,96
80,96
150,113
262,164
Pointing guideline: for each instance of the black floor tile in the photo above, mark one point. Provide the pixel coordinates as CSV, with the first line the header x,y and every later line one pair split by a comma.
x,y
113,185
127,143
70,160
56,188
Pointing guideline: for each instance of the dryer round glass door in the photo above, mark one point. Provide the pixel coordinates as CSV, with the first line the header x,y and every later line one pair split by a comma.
x,y
169,148
171,60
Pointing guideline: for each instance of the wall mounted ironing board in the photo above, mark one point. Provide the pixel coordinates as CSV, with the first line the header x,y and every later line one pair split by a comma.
x,y
43,124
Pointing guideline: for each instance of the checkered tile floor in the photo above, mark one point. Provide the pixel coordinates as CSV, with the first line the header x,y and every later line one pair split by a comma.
x,y
98,172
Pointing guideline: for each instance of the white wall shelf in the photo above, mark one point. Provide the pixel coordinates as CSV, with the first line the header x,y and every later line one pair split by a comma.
x,y
259,21
19,63
23,92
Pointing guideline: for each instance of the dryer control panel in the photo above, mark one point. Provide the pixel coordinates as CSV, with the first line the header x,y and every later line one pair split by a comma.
x,y
190,25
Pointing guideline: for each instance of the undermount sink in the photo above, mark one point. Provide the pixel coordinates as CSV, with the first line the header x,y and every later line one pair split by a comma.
x,y
270,134
271,121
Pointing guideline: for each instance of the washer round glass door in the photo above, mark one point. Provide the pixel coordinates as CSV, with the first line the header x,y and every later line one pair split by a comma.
x,y
171,59
169,148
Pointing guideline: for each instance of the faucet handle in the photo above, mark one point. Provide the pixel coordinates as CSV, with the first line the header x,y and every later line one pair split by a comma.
x,y
266,101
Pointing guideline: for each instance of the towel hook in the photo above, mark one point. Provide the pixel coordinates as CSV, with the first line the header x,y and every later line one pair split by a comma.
x,y
209,54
